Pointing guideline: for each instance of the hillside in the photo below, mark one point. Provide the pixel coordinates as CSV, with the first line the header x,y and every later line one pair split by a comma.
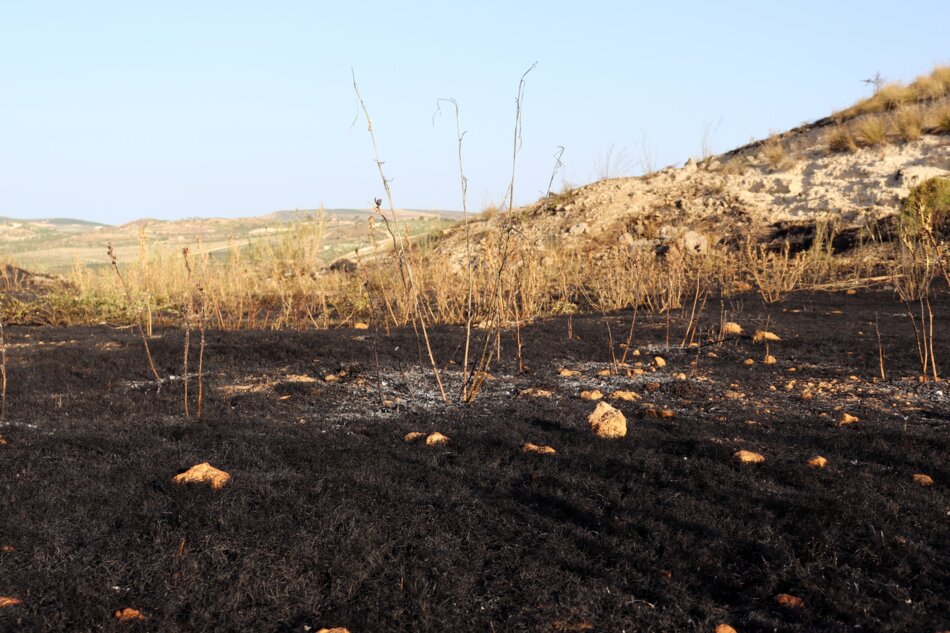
x,y
850,170
50,245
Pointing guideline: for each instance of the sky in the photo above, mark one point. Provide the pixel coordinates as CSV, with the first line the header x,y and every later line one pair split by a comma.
x,y
114,111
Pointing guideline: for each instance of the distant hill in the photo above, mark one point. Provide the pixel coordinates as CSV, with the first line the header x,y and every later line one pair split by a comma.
x,y
57,244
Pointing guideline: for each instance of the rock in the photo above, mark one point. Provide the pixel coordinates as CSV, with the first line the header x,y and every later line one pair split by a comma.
x,y
817,462
748,457
731,329
331,378
534,392
923,480
607,422
343,265
204,473
434,439
629,396
7,601
680,376
659,361
359,325
665,414
847,418
568,373
537,450
761,336
128,615
769,360
592,395
3,442
724,628
413,436
695,243
336,629
910,177
748,361
604,372
788,600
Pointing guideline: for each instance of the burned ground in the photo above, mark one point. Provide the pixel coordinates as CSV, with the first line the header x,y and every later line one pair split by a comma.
x,y
331,519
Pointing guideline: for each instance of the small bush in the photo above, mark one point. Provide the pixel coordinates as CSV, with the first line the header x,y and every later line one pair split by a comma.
x,y
871,131
928,88
775,154
909,124
941,120
892,96
841,139
927,209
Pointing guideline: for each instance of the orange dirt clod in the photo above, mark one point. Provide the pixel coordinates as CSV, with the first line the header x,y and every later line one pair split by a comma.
x,y
528,447
204,474
128,615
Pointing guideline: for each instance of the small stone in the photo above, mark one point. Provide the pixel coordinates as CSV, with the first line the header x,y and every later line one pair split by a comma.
x,y
769,360
331,377
628,396
607,422
7,601
413,436
731,329
846,418
681,376
6,549
128,615
923,480
748,457
635,352
434,439
537,449
788,600
665,414
204,473
336,629
725,628
359,325
659,361
567,373
604,372
636,371
748,361
534,392
594,394
761,336
817,462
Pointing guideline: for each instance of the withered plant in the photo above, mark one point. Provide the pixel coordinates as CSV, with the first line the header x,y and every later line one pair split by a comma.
x,y
138,322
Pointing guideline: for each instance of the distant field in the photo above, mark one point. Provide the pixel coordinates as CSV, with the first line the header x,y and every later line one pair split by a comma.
x,y
57,245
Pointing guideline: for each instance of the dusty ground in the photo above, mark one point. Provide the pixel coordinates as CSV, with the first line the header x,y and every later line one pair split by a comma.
x,y
331,519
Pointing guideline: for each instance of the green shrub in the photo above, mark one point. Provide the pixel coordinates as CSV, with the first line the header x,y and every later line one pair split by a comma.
x,y
927,209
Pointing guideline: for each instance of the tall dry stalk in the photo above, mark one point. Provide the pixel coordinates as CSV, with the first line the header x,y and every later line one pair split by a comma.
x,y
3,374
399,246
128,294
480,374
469,263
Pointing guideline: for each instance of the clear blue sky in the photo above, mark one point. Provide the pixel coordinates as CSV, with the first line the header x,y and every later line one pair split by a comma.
x,y
112,111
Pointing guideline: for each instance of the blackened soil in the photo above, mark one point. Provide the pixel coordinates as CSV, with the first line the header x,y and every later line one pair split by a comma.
x,y
331,519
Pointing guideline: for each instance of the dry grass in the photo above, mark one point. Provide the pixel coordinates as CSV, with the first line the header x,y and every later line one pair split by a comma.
x,y
908,123
870,132
841,139
775,154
